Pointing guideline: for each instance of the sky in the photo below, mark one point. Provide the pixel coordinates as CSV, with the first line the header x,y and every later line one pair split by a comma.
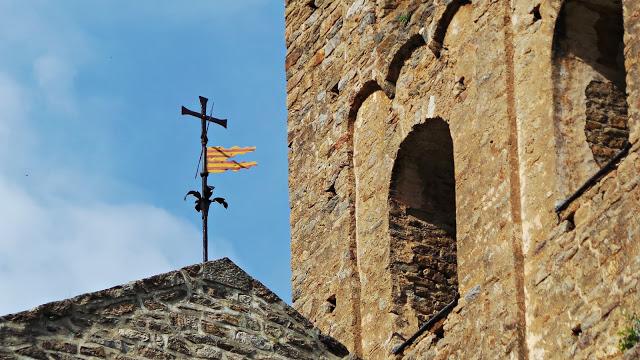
x,y
95,158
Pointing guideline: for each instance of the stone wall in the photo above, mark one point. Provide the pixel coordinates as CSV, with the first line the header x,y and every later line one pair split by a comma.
x,y
581,266
362,74
209,311
606,126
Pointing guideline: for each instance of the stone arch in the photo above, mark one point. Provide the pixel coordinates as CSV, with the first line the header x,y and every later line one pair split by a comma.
x,y
405,44
589,88
434,40
438,31
368,88
422,225
401,56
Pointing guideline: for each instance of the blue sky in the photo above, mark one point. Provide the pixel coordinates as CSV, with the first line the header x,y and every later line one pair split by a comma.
x,y
95,158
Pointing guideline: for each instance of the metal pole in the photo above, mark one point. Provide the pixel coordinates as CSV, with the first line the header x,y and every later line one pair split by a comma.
x,y
204,174
610,165
203,199
435,318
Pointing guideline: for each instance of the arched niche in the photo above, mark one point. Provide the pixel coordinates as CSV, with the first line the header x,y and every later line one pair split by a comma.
x,y
589,77
422,224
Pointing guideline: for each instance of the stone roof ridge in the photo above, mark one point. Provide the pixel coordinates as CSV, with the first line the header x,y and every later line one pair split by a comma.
x,y
223,271
210,307
59,307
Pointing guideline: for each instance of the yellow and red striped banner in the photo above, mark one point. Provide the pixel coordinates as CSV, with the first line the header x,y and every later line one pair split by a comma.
x,y
218,159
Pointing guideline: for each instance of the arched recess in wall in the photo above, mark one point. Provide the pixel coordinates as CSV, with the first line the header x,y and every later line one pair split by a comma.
x,y
401,56
436,41
359,98
422,223
589,79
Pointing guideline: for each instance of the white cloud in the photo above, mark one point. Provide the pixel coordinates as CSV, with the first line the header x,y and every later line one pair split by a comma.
x,y
56,250
55,78
63,235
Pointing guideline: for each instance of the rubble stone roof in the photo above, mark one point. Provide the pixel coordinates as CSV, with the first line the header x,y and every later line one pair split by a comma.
x,y
213,310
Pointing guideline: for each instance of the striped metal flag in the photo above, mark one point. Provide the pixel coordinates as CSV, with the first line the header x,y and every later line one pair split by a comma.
x,y
218,159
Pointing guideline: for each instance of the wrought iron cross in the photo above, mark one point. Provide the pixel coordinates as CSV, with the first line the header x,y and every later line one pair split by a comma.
x,y
203,200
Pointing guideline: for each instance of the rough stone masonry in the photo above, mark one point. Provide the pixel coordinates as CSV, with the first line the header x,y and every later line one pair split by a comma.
x,y
430,142
209,311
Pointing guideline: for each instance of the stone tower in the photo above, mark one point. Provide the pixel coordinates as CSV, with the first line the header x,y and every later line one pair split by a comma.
x,y
433,144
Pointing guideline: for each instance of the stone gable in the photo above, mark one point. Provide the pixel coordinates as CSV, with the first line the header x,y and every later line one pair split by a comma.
x,y
209,311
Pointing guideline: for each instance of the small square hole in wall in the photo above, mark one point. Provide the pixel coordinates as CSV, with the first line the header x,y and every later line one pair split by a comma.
x,y
576,330
312,4
331,304
571,223
335,88
331,190
536,13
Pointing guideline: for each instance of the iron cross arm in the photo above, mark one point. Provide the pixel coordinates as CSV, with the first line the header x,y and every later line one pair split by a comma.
x,y
203,115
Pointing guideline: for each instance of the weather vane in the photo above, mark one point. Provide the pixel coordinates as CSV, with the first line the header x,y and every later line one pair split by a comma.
x,y
215,160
